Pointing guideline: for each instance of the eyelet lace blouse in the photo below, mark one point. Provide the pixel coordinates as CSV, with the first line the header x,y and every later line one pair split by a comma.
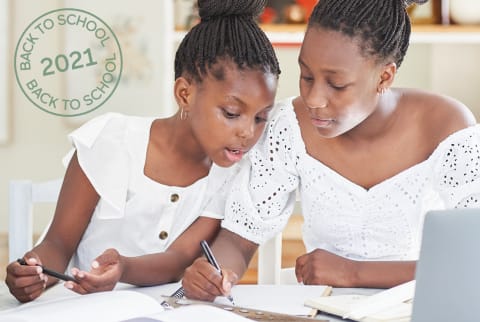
x,y
381,223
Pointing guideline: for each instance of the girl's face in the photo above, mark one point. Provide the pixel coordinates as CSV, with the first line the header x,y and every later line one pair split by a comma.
x,y
228,110
338,85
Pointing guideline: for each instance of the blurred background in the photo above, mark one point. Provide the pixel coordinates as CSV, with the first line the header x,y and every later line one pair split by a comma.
x,y
443,56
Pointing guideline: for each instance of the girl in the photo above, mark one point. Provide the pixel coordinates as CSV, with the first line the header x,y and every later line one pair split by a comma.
x,y
369,160
149,190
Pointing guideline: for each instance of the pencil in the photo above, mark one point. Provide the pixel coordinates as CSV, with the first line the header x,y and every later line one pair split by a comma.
x,y
211,259
50,272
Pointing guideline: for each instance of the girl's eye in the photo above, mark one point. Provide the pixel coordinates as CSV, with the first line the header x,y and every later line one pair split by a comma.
x,y
229,115
260,119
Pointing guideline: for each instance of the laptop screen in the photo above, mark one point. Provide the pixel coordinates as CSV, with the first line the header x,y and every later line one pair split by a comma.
x,y
448,271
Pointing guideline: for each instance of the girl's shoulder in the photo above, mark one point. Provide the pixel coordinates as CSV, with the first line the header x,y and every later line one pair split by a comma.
x,y
109,125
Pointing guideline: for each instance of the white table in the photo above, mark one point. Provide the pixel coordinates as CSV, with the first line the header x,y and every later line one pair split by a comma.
x,y
7,301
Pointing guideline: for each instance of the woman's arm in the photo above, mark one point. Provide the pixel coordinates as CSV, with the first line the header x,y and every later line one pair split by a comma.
x,y
325,268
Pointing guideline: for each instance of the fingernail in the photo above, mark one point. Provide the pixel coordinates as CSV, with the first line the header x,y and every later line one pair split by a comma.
x,y
81,275
32,261
227,286
68,285
95,264
39,269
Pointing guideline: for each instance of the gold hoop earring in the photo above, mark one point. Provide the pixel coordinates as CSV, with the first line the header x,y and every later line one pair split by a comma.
x,y
183,114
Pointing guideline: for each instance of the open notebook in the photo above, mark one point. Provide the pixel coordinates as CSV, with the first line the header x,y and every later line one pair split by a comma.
x,y
143,304
114,306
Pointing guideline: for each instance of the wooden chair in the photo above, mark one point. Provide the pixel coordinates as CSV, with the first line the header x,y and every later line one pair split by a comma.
x,y
23,195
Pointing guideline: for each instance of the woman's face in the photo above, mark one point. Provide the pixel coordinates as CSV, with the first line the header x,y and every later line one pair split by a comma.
x,y
229,109
338,85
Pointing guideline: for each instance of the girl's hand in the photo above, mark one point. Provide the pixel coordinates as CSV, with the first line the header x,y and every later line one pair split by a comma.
x,y
203,282
324,268
26,282
106,271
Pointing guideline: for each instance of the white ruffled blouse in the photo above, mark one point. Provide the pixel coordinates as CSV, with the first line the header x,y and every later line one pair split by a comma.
x,y
135,214
381,223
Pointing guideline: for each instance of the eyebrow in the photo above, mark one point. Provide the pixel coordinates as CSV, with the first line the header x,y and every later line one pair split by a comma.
x,y
330,71
242,103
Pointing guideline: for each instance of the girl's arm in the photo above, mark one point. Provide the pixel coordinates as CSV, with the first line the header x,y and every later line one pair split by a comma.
x,y
169,266
75,206
146,270
233,253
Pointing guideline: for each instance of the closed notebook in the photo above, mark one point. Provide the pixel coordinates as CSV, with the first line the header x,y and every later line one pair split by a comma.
x,y
393,305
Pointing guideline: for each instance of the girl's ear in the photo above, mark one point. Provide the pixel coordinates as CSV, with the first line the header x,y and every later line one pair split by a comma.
x,y
182,92
387,76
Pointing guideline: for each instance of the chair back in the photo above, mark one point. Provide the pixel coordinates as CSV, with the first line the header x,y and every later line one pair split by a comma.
x,y
23,195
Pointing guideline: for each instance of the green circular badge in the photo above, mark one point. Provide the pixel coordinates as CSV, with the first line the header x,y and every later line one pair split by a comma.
x,y
76,78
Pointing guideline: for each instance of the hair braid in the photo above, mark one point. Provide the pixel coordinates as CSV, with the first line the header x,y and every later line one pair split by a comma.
x,y
383,26
227,30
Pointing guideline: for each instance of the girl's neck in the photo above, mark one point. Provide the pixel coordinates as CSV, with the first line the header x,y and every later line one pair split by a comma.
x,y
179,140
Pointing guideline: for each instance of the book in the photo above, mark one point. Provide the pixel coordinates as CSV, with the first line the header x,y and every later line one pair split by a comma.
x,y
113,306
393,305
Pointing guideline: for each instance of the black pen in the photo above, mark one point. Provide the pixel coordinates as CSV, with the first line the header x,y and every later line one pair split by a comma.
x,y
47,271
211,259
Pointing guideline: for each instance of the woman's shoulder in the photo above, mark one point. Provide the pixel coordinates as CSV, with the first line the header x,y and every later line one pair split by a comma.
x,y
438,116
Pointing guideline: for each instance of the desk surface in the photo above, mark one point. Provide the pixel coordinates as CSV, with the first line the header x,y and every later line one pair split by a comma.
x,y
7,301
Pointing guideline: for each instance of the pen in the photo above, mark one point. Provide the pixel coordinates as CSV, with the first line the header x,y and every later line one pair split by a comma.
x,y
211,259
47,271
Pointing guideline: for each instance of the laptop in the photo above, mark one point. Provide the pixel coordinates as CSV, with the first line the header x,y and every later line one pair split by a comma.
x,y
448,270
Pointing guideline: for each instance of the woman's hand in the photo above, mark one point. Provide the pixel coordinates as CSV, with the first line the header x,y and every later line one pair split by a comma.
x,y
203,282
26,282
106,271
324,268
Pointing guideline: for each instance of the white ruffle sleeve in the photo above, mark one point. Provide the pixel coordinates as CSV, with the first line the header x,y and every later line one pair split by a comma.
x,y
264,194
456,169
104,159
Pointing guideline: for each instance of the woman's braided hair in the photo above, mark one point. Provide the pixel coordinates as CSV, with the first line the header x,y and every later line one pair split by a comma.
x,y
381,26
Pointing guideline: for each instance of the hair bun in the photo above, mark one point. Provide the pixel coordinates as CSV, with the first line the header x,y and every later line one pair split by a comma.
x,y
209,9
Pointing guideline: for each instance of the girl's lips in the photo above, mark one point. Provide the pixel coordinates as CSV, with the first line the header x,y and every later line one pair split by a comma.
x,y
234,155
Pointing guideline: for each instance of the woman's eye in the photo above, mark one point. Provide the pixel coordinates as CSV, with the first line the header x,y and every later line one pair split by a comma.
x,y
338,87
307,78
229,115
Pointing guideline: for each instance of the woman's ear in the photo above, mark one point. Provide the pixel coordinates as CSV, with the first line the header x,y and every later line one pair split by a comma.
x,y
182,92
387,76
